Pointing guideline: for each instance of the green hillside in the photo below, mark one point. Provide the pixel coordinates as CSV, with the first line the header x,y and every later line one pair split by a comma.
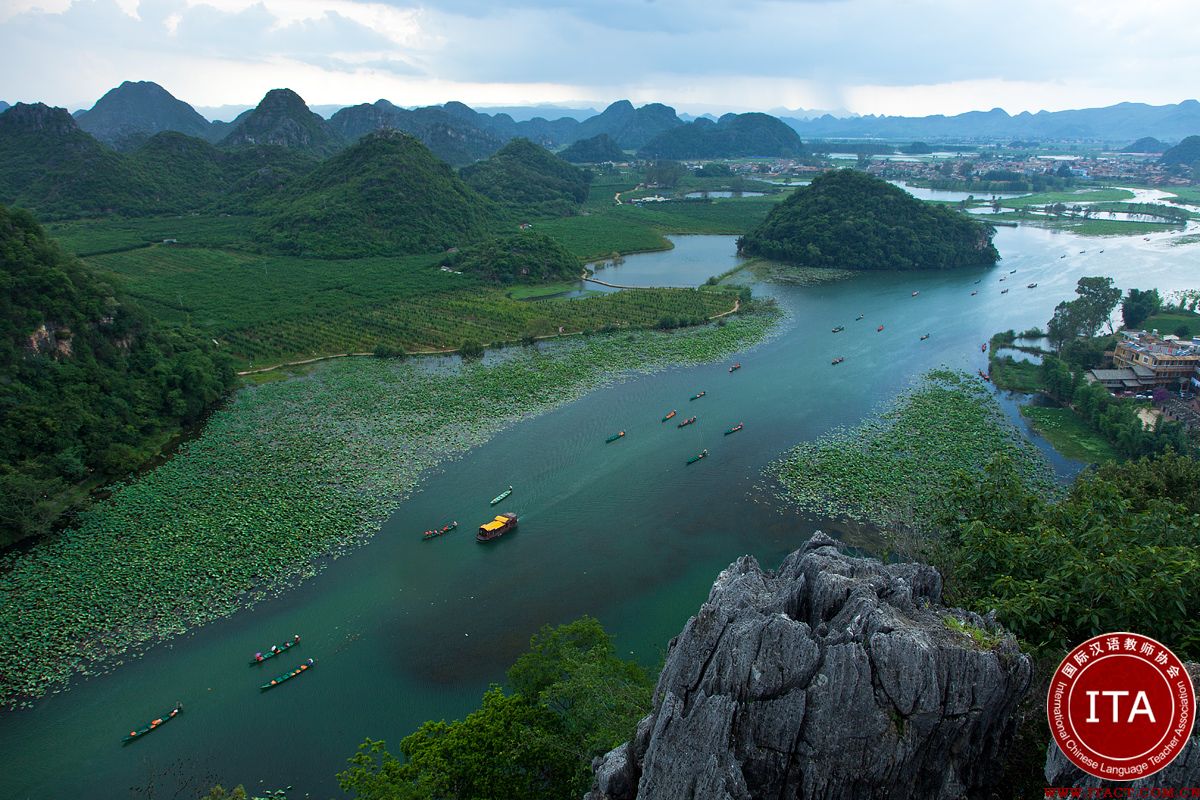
x,y
850,220
385,195
92,388
525,257
733,136
596,150
49,165
529,179
1186,152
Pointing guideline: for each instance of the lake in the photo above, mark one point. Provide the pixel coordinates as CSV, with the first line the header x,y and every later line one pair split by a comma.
x,y
406,630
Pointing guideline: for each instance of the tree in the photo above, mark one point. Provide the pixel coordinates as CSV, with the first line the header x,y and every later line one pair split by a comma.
x,y
1097,299
1064,325
1139,305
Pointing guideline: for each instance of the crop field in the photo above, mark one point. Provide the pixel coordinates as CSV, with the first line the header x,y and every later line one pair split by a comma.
x,y
890,470
89,237
285,472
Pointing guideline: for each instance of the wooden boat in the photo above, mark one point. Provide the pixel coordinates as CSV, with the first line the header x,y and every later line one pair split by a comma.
x,y
914,294
500,497
860,316
614,437
499,525
686,422
735,367
1031,286
983,347
439,531
1064,255
979,280
985,376
1004,291
974,293
697,396
1011,271
287,676
668,416
698,456
839,329
1003,277
926,336
275,650
735,428
838,360
880,328
153,724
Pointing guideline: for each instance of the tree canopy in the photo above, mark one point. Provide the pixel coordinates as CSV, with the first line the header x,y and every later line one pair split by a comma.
x,y
529,179
525,257
851,220
1138,306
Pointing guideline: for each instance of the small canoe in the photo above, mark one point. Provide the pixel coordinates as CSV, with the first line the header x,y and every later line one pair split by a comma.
x,y
914,294
449,526
287,676
838,360
1004,291
880,328
974,293
735,367
698,456
1003,277
697,396
614,437
154,723
500,497
668,416
1064,255
839,329
735,428
860,316
979,280
686,422
275,650
983,347
926,336
1011,271
1031,286
985,376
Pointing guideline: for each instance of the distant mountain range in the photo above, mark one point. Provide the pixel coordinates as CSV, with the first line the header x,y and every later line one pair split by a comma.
x,y
1120,123
133,112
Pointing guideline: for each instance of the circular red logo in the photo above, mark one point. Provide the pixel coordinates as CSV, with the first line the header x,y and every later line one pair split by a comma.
x,y
1121,706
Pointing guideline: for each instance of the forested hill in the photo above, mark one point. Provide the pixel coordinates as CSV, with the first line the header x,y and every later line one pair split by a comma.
x,y
385,195
851,220
1186,152
92,388
596,150
732,136
131,113
282,118
529,179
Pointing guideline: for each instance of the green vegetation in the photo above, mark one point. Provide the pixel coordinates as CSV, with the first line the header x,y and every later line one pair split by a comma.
x,y
1170,320
1014,376
889,471
1078,196
848,219
284,472
1086,314
384,195
529,180
984,640
1069,434
92,388
89,237
599,235
1117,553
596,150
572,700
1186,153
1139,306
733,136
525,257
268,309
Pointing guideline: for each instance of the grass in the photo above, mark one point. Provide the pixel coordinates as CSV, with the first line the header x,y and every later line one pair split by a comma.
x,y
534,291
1015,376
1188,194
285,472
1167,321
891,470
984,640
268,309
90,237
1067,198
1069,434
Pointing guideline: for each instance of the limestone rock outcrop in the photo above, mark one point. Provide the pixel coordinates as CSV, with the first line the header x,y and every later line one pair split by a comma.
x,y
832,677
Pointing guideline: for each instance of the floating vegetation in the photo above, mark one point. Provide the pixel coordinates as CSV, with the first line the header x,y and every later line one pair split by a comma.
x,y
286,472
891,469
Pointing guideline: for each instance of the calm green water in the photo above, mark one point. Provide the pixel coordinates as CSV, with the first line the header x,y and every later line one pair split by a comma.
x,y
407,630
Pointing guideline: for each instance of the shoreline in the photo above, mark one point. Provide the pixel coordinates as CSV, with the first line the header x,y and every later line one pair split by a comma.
x,y
330,486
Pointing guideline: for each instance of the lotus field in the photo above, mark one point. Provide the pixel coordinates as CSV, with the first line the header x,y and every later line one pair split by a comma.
x,y
286,472
890,470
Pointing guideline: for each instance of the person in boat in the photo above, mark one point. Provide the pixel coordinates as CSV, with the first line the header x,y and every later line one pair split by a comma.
x,y
258,656
296,638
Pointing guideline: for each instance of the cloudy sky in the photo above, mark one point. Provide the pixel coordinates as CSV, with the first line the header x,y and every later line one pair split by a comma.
x,y
867,56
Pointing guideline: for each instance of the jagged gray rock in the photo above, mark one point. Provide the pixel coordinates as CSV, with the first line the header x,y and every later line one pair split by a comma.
x,y
833,677
1184,771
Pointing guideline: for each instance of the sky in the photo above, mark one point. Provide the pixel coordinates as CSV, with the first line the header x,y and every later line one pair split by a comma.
x,y
909,58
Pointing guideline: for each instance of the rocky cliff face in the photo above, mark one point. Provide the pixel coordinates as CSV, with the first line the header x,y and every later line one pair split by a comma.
x,y
832,677
1184,771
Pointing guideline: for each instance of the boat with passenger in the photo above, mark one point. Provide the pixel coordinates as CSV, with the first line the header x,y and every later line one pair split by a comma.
x,y
735,428
686,422
614,437
670,414
275,650
500,525
838,360
435,532
839,329
500,497
698,456
287,676
697,396
153,724
735,367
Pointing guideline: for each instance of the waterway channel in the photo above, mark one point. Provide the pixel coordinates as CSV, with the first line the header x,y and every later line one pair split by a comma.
x,y
406,630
